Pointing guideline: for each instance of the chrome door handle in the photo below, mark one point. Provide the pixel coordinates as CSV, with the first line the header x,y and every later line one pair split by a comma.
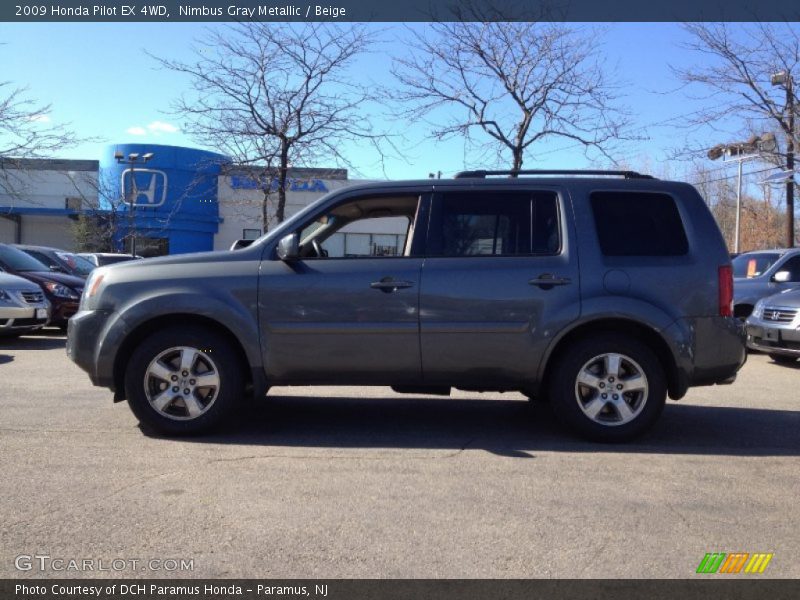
x,y
547,281
388,285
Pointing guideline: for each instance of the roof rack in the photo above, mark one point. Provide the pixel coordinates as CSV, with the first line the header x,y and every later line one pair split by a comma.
x,y
482,174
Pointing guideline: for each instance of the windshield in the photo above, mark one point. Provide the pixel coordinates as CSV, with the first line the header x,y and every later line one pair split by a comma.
x,y
76,263
747,266
17,260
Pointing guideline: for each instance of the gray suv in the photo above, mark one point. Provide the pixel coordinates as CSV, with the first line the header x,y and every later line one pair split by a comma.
x,y
601,292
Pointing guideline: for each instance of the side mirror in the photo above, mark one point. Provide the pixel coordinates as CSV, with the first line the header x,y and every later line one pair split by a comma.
x,y
781,277
289,247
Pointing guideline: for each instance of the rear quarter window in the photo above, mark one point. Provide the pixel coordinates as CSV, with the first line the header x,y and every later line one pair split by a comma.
x,y
638,224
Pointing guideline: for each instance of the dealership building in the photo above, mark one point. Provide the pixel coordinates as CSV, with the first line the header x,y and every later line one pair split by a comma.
x,y
184,200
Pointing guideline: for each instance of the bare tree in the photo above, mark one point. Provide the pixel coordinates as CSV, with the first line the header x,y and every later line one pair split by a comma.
x,y
277,96
518,83
736,73
25,132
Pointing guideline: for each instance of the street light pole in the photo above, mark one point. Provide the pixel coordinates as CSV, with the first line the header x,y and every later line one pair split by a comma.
x,y
131,161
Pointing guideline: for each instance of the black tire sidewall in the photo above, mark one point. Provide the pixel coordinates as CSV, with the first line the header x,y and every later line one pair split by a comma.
x,y
211,343
562,387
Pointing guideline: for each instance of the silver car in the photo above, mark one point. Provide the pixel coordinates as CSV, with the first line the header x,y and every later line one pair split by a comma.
x,y
774,326
23,307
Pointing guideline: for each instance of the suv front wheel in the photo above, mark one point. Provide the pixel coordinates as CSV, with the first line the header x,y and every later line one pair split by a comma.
x,y
183,380
608,388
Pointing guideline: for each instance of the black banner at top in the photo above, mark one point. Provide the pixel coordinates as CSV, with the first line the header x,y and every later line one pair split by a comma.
x,y
397,10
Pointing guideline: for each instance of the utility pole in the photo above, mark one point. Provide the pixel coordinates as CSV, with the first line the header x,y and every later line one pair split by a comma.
x,y
790,165
784,78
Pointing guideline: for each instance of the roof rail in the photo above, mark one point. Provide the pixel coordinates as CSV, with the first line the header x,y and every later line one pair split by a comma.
x,y
482,174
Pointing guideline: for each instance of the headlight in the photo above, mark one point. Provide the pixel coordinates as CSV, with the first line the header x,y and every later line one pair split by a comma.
x,y
4,296
758,309
60,291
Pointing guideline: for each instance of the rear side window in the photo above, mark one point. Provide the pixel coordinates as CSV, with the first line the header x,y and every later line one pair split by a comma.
x,y
638,224
495,224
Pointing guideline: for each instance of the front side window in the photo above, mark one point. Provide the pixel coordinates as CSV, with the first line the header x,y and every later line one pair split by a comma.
x,y
793,267
361,228
496,224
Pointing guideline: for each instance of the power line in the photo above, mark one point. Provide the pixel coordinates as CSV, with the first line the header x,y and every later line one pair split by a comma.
x,y
734,176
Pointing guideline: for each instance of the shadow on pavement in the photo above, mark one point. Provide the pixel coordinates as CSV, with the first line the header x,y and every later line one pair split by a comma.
x,y
5,358
43,339
504,427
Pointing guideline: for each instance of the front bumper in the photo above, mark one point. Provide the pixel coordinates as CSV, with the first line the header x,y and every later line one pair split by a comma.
x,y
23,318
63,310
772,337
85,332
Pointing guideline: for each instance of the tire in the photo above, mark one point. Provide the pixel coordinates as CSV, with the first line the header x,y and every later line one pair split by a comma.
x,y
194,408
783,359
574,402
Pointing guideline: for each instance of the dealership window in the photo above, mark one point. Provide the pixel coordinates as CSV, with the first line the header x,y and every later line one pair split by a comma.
x,y
251,234
496,224
149,246
638,224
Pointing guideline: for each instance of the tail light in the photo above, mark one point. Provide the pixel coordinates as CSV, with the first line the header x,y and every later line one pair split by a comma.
x,y
726,291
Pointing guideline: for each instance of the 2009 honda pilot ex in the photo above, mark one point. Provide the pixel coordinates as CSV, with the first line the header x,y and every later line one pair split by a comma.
x,y
602,294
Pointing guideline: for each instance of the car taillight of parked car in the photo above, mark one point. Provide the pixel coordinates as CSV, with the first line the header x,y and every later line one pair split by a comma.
x,y
726,291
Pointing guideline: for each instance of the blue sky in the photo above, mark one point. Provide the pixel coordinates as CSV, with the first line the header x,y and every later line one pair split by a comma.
x,y
99,79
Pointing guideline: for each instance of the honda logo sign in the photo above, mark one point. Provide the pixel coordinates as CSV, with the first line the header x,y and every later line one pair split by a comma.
x,y
144,187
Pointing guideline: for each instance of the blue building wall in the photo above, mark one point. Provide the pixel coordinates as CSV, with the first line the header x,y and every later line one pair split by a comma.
x,y
176,195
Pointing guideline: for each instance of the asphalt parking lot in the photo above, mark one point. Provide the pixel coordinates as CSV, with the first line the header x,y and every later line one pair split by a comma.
x,y
362,482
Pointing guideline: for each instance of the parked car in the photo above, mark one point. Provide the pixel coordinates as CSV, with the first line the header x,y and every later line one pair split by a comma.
x,y
554,286
23,307
101,259
763,273
61,290
774,326
59,260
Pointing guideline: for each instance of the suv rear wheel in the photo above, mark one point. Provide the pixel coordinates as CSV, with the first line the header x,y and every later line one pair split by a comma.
x,y
608,388
183,380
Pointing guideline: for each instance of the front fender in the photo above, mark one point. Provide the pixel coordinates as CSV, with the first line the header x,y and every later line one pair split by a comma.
x,y
178,303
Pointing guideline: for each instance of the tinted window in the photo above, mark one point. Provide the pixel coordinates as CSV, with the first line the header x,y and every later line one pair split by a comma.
x,y
638,224
496,224
753,265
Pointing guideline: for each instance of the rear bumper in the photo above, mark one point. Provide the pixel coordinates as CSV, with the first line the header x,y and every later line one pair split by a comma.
x,y
708,350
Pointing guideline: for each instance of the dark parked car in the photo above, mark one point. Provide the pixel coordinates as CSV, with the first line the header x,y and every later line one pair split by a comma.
x,y
63,291
101,259
59,260
774,326
763,273
602,294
